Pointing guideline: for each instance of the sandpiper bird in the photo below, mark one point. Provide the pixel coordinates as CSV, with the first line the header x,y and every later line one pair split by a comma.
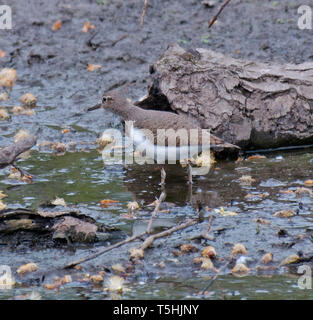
x,y
172,136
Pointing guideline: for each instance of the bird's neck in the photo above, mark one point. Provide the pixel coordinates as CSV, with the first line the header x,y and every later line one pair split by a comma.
x,y
128,111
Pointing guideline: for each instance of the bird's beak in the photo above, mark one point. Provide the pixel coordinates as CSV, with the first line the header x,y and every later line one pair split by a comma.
x,y
97,106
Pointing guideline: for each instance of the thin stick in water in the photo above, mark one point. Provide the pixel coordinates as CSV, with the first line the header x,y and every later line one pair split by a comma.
x,y
218,13
144,10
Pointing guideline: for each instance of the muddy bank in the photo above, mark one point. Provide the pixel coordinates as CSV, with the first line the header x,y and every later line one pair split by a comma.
x,y
52,65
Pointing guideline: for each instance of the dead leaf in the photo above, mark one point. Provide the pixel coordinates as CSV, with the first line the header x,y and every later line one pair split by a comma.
x,y
267,258
118,268
4,115
255,157
115,284
206,159
59,147
87,26
2,205
186,248
225,213
308,183
96,278
284,213
240,270
246,180
28,99
50,286
136,253
93,67
66,279
290,259
8,77
261,221
302,190
2,194
207,264
4,96
59,202
132,206
256,196
107,202
239,249
21,135
209,252
18,110
57,25
29,267
2,54
286,191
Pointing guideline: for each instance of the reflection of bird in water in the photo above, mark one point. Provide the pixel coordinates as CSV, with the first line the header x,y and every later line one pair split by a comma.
x,y
162,135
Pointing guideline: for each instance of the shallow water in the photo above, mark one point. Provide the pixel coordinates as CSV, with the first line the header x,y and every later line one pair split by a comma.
x,y
82,180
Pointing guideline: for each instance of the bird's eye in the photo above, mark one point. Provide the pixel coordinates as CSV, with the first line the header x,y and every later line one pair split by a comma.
x,y
106,99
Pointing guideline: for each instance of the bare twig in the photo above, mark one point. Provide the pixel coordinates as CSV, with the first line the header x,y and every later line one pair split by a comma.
x,y
149,241
215,277
218,13
145,244
155,211
144,10
122,37
205,235
106,249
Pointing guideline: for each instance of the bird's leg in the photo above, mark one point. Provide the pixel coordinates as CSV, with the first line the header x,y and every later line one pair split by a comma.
x,y
189,195
189,171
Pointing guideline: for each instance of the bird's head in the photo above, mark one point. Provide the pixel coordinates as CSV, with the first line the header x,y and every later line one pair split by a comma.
x,y
112,100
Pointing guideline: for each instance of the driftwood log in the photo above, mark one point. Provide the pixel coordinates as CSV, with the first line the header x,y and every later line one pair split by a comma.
x,y
49,226
251,104
9,154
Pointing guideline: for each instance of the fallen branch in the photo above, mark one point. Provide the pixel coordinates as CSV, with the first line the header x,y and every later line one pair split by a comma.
x,y
9,154
205,235
106,249
218,13
124,36
149,241
145,244
155,211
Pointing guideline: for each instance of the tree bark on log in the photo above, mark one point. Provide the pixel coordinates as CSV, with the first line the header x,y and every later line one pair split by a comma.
x,y
251,104
9,154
